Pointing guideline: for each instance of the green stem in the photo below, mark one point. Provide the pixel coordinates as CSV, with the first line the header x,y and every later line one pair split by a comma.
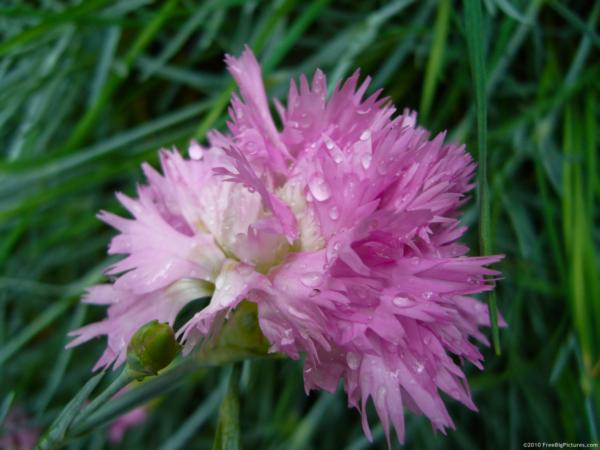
x,y
85,125
475,37
228,429
124,378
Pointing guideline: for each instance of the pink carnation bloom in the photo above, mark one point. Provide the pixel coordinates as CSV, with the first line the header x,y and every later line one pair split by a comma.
x,y
342,228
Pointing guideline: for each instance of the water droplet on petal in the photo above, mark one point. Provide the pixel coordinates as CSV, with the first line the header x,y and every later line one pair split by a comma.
x,y
338,155
196,151
319,188
333,251
288,337
402,302
419,367
353,360
334,213
365,160
311,279
366,135
427,295
473,280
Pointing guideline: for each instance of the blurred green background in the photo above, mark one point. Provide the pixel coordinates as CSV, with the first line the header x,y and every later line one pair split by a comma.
x,y
90,89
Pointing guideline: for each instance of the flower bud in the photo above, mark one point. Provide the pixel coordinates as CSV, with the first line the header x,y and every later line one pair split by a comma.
x,y
152,348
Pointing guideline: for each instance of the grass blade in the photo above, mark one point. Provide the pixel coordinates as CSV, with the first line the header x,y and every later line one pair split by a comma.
x,y
475,43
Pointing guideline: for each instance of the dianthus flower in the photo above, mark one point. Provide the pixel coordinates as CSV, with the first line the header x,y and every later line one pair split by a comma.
x,y
341,227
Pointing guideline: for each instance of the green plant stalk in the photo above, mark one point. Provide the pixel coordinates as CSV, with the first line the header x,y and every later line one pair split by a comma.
x,y
475,38
122,380
227,436
435,62
86,124
52,20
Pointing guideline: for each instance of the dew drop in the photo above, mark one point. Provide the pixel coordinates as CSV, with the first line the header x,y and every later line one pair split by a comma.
x,y
366,135
196,151
365,160
319,188
473,280
363,111
310,279
427,295
419,367
288,337
333,251
353,360
334,213
338,155
401,302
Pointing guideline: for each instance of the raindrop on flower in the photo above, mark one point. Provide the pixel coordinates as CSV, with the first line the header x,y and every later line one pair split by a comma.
x,y
473,280
353,360
319,188
402,302
365,160
334,213
310,279
419,367
196,152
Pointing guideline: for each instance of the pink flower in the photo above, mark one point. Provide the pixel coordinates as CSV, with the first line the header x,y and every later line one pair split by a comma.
x,y
342,228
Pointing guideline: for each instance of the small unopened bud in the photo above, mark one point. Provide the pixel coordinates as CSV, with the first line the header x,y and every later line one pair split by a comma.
x,y
152,348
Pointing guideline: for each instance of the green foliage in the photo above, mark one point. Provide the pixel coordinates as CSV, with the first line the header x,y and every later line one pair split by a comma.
x,y
91,89
227,436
